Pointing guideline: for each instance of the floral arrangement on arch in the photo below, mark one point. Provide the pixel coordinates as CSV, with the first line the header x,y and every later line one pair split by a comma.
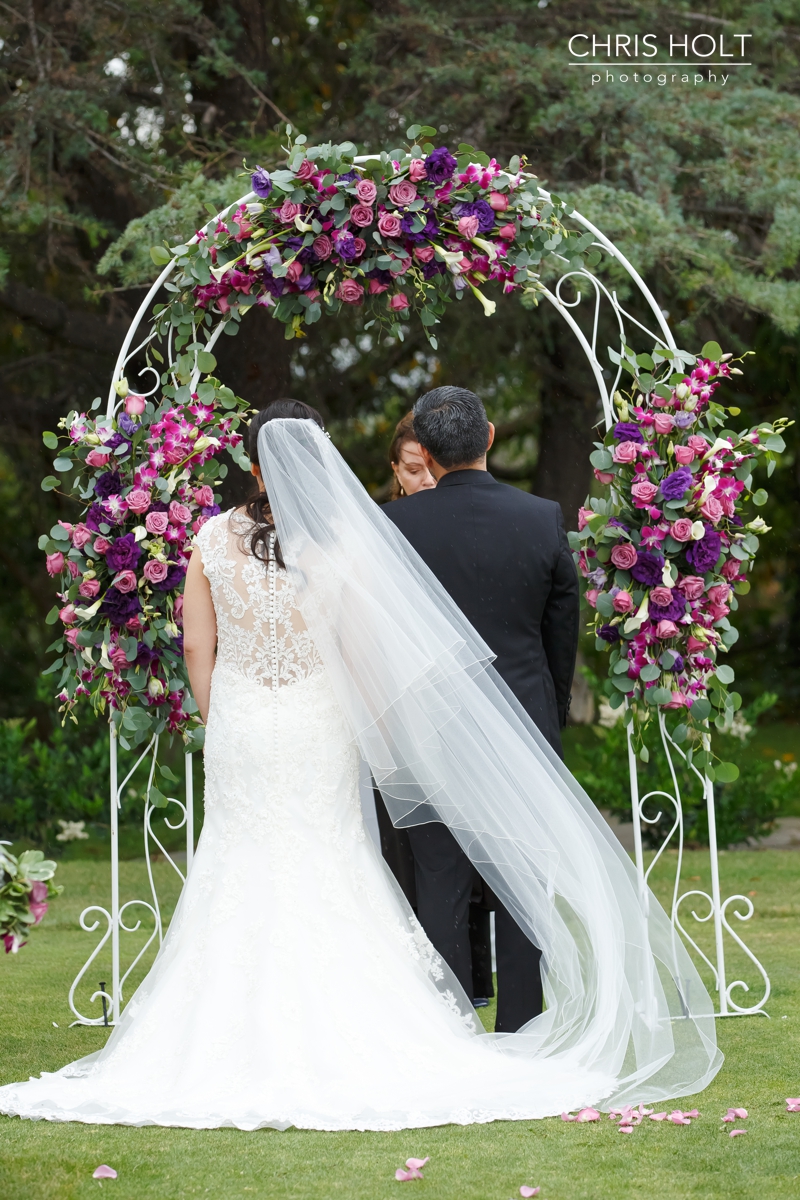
x,y
667,549
145,480
25,894
401,234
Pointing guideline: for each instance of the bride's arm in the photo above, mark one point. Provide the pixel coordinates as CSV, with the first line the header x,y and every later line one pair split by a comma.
x,y
199,632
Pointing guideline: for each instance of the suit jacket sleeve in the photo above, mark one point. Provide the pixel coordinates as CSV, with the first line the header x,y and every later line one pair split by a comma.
x,y
560,621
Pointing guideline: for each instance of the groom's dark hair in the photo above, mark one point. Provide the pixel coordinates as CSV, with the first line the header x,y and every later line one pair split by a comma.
x,y
451,424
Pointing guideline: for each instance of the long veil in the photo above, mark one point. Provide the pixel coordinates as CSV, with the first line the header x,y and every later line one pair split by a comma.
x,y
446,740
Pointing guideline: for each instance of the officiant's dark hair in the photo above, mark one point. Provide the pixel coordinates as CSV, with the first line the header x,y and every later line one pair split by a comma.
x,y
451,424
257,506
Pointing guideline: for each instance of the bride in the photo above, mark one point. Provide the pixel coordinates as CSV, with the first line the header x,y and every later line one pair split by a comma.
x,y
295,986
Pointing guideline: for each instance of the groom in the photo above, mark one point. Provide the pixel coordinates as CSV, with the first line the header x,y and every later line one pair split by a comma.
x,y
503,556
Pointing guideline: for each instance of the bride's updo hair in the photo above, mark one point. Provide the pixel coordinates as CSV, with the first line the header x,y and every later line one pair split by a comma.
x,y
257,506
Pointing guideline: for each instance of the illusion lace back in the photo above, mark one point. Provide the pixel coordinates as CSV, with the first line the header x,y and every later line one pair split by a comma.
x,y
294,986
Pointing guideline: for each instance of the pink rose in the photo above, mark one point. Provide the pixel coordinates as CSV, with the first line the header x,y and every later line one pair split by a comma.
x,y
666,629
694,644
423,254
294,271
623,602
366,191
624,556
376,287
179,514
663,423
730,569
399,266
55,563
198,523
156,522
73,568
155,571
360,246
661,596
67,614
398,302
604,477
679,700
101,544
692,587
697,443
177,609
402,194
81,534
591,596
684,455
125,581
712,509
288,211
416,172
507,232
305,170
204,496
37,909
138,500
89,588
322,246
644,491
584,517
119,659
135,405
468,226
498,201
626,452
681,529
350,292
72,637
719,593
718,611
97,458
362,215
389,224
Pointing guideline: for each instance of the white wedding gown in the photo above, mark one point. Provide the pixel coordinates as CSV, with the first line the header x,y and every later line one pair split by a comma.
x,y
294,986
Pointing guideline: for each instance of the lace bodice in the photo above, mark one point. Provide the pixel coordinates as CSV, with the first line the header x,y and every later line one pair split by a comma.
x,y
261,633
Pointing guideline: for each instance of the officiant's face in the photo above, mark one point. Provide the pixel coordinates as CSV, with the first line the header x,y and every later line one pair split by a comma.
x,y
411,470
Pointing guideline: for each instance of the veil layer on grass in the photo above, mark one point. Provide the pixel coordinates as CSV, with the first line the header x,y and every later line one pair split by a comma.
x,y
446,740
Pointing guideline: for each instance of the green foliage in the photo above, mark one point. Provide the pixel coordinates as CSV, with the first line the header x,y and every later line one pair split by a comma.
x,y
41,780
746,807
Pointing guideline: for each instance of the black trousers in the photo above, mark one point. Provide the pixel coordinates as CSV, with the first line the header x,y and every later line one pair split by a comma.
x,y
444,882
396,849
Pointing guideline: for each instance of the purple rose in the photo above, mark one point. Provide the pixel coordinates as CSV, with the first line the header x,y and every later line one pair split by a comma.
x,y
668,612
261,183
648,568
346,246
610,634
675,486
127,424
483,213
115,441
145,656
347,177
275,287
684,420
211,510
597,577
628,431
439,165
703,555
94,517
119,607
677,665
109,484
123,554
429,269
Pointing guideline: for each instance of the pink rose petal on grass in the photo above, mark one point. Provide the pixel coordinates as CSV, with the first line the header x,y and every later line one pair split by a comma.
x,y
735,1114
793,1104
529,1191
658,1116
625,1128
104,1172
677,1118
414,1170
736,1132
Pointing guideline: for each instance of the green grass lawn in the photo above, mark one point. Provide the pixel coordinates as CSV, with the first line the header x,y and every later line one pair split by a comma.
x,y
41,1160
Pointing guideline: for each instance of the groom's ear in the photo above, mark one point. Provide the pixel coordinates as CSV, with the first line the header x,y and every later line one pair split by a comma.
x,y
491,437
428,459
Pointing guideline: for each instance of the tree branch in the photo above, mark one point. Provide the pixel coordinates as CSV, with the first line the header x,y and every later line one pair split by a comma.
x,y
85,330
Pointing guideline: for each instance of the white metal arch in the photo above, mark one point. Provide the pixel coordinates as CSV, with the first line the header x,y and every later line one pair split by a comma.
x,y
717,908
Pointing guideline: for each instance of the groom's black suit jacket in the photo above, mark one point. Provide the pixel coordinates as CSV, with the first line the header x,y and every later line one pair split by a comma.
x,y
503,556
